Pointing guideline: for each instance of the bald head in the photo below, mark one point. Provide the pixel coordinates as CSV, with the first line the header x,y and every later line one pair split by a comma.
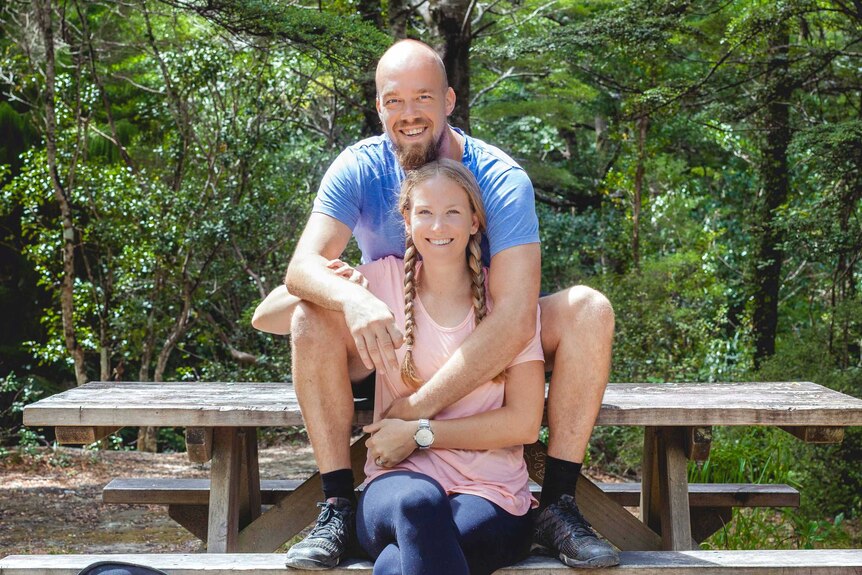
x,y
410,57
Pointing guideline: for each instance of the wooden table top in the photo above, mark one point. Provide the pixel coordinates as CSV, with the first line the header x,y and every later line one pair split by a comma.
x,y
213,404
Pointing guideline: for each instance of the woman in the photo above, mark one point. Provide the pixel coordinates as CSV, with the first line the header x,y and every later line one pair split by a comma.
x,y
449,495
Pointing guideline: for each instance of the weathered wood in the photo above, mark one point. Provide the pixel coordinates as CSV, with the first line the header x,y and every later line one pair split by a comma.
x,y
707,520
194,518
294,513
223,524
610,519
199,444
650,509
673,489
166,491
83,435
249,486
801,562
809,434
698,441
201,404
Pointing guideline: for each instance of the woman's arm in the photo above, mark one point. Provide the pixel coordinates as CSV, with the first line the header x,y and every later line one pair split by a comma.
x,y
515,423
274,313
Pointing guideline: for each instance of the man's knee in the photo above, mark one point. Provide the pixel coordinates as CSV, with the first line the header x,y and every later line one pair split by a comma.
x,y
312,324
589,307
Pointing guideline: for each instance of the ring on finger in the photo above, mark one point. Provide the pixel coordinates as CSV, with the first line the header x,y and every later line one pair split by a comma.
x,y
379,462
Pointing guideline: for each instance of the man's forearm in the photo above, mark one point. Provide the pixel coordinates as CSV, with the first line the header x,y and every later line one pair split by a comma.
x,y
482,356
309,278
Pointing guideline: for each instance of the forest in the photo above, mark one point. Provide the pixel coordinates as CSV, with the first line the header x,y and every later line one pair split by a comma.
x,y
699,162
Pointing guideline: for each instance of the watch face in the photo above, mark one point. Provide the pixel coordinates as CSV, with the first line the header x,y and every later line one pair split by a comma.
x,y
424,437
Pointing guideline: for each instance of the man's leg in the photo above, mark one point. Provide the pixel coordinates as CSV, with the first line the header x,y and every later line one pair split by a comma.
x,y
577,337
324,361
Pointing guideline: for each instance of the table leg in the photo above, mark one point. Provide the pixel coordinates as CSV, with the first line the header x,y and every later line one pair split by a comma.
x,y
249,488
223,528
664,491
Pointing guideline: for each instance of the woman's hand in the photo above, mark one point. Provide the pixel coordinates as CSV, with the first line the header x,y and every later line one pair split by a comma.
x,y
391,441
348,272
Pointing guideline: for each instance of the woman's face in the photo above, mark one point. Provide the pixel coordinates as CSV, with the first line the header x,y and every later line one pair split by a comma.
x,y
440,220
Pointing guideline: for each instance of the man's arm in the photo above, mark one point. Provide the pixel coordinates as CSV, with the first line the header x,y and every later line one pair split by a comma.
x,y
310,278
514,280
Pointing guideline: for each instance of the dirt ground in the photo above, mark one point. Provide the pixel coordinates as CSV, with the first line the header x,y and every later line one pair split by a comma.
x,y
52,503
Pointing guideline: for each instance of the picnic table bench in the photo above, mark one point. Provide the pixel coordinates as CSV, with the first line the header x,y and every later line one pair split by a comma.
x,y
228,511
805,562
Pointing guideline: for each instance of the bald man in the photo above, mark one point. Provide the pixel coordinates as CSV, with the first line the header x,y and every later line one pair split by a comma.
x,y
342,333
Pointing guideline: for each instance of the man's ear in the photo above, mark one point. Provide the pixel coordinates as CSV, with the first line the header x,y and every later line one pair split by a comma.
x,y
377,104
450,100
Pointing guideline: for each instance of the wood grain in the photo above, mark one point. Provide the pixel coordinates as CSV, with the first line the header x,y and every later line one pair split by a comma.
x,y
170,491
205,404
801,562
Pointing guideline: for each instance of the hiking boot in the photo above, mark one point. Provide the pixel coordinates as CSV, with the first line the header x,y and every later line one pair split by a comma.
x,y
563,530
329,539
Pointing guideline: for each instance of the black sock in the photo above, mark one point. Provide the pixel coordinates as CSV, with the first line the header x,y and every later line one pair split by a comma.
x,y
561,478
338,483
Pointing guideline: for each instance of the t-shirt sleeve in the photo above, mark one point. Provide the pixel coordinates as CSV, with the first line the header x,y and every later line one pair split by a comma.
x,y
339,192
511,209
533,350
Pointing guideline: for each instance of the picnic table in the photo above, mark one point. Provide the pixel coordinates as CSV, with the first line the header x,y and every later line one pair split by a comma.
x,y
221,421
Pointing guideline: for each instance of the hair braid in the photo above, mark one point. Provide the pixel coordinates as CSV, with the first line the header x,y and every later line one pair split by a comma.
x,y
408,367
477,275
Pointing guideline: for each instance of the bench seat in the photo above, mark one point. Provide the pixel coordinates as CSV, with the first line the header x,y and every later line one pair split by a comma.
x,y
808,562
170,491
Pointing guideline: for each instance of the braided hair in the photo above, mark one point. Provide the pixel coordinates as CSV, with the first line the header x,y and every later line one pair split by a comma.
x,y
456,172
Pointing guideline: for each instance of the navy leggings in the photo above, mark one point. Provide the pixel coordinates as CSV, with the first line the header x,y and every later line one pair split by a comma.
x,y
409,526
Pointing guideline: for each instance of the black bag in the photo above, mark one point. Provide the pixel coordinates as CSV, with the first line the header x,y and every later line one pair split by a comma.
x,y
118,568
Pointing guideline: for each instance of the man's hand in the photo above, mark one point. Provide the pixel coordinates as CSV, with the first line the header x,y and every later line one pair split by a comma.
x,y
391,441
375,333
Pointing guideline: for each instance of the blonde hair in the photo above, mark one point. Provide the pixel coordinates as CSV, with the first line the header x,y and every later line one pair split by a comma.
x,y
457,173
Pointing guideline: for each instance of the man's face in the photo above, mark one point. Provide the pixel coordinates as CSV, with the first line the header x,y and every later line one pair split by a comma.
x,y
413,104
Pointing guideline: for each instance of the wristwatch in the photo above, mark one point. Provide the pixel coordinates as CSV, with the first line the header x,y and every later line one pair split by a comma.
x,y
424,436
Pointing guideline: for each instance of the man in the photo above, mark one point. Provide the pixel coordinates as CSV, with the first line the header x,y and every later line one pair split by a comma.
x,y
341,333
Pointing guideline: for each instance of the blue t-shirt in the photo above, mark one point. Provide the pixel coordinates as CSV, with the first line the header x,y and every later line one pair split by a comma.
x,y
361,187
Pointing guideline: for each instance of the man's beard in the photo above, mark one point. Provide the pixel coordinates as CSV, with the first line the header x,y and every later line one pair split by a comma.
x,y
415,156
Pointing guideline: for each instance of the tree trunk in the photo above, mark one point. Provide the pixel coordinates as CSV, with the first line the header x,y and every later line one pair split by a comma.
x,y
768,253
642,125
454,35
371,11
67,306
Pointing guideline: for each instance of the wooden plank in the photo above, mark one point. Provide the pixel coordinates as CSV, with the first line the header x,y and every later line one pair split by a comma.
x,y
673,487
199,444
249,487
194,518
213,404
294,513
610,519
801,562
698,441
170,491
811,434
223,525
83,435
707,520
650,510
